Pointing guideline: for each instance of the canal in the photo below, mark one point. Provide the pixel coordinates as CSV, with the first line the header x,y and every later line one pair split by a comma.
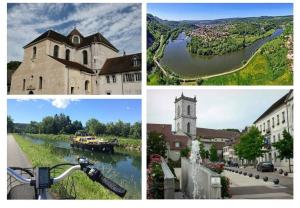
x,y
123,167
178,59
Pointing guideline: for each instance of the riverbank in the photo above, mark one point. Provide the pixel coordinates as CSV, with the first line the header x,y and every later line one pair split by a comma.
x,y
41,155
268,66
126,143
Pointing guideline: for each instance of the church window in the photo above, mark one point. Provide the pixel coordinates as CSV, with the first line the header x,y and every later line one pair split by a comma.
x,y
68,55
56,51
72,90
178,111
178,126
24,83
107,79
40,82
86,85
34,52
188,127
189,110
114,78
85,58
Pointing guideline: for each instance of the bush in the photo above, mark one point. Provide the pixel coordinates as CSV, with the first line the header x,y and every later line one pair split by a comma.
x,y
225,182
185,152
155,182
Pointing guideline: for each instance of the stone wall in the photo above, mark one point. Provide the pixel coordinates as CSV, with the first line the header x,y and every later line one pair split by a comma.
x,y
169,180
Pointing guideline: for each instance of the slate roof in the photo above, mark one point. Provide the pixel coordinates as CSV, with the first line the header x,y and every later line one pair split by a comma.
x,y
277,104
121,64
52,35
73,65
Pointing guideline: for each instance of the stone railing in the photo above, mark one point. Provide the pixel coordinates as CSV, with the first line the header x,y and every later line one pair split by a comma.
x,y
207,183
169,181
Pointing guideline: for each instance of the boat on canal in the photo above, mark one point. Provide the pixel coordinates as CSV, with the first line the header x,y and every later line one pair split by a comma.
x,y
84,141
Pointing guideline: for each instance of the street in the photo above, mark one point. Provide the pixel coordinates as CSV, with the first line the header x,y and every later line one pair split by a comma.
x,y
245,187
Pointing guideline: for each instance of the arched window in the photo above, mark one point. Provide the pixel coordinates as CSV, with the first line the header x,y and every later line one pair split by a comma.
x,y
189,110
40,82
68,55
188,127
24,83
34,52
178,110
135,62
86,85
85,58
178,127
56,51
75,39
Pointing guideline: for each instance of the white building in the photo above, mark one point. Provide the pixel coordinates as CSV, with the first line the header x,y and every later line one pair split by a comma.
x,y
57,64
271,124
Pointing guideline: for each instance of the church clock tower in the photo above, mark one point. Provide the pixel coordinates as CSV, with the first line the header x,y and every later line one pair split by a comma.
x,y
185,116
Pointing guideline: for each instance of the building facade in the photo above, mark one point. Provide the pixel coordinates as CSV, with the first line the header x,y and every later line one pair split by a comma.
x,y
58,64
186,130
277,118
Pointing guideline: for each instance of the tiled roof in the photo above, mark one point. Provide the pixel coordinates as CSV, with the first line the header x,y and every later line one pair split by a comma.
x,y
121,64
277,104
171,138
216,133
52,35
74,65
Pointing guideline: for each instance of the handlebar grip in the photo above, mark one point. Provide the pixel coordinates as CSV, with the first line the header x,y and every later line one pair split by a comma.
x,y
96,175
112,186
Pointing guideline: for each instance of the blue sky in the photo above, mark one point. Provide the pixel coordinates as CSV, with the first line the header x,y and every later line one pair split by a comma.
x,y
206,11
217,109
105,110
119,23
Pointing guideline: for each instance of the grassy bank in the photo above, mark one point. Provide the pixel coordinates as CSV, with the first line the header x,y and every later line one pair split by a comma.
x,y
269,66
127,143
43,155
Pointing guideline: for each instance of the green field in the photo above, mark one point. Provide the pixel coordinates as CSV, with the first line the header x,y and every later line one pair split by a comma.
x,y
268,67
43,155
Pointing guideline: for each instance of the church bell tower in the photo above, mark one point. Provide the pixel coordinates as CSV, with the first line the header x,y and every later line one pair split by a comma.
x,y
185,116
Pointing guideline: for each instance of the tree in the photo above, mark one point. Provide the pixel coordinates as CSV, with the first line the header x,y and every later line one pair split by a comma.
x,y
94,127
136,130
156,144
285,147
10,124
48,125
213,156
251,145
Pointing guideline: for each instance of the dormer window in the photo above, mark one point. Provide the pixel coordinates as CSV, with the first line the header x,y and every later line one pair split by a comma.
x,y
136,62
76,39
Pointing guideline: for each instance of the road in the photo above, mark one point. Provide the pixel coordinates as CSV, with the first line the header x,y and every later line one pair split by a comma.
x,y
242,187
15,156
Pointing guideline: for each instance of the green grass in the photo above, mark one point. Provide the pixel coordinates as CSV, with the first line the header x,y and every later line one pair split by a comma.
x,y
43,155
268,67
124,142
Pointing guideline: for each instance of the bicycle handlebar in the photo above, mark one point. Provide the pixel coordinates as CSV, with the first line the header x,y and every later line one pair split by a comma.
x,y
93,173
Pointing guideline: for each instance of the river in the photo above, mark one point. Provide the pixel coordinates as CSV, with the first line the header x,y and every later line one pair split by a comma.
x,y
123,167
180,60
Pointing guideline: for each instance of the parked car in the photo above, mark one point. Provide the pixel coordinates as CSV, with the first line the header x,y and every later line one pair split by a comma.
x,y
265,167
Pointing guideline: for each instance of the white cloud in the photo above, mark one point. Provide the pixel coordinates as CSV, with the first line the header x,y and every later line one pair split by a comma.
x,y
119,23
62,103
218,109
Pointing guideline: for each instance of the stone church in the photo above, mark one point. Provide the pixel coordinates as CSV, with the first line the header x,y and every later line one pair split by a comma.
x,y
186,130
74,64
